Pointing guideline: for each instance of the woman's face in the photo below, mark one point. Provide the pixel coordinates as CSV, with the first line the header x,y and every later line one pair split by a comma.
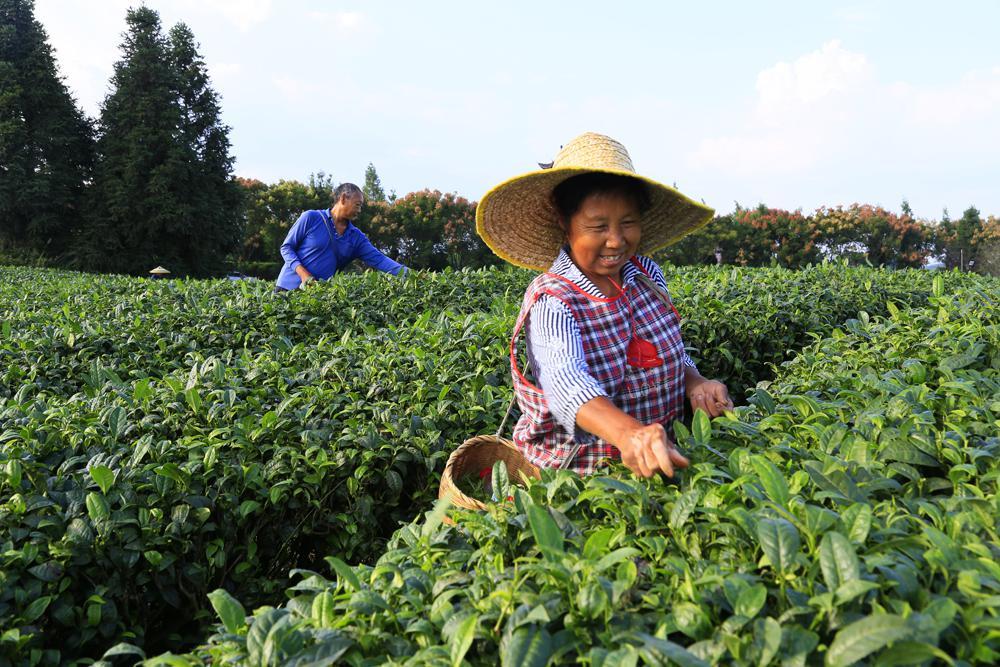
x,y
603,235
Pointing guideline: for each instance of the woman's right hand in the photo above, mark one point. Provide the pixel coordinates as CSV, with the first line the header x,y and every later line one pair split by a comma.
x,y
648,451
645,449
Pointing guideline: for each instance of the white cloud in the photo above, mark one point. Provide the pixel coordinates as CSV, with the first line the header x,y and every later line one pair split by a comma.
x,y
801,115
827,127
811,84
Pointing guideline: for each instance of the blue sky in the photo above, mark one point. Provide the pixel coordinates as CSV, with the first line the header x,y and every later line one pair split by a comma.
x,y
793,104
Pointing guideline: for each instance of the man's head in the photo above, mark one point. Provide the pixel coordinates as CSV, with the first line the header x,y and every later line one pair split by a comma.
x,y
347,201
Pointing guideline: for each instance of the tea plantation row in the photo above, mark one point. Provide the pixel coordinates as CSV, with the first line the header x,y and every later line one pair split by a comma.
x,y
159,440
848,515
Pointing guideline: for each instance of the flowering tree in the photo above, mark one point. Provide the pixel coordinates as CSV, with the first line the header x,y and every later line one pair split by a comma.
x,y
774,235
872,234
428,230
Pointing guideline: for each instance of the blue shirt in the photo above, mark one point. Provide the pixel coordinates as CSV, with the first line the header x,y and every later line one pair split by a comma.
x,y
313,242
555,347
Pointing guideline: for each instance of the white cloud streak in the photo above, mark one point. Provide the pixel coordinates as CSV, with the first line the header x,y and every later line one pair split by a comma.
x,y
829,106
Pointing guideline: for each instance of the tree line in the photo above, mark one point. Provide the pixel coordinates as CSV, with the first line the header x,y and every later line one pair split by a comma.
x,y
858,234
150,181
427,229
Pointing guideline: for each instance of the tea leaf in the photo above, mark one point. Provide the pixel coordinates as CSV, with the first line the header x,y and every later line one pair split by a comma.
x,y
597,543
229,609
36,609
97,507
463,639
860,639
751,600
345,574
544,528
701,427
103,476
771,479
837,560
780,541
324,609
528,646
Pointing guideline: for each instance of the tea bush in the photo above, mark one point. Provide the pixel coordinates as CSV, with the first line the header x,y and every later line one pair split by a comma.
x,y
161,439
848,514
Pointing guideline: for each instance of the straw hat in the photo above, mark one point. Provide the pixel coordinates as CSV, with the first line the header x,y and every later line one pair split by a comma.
x,y
159,271
518,221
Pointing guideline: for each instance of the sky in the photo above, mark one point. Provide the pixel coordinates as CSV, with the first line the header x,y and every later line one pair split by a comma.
x,y
796,105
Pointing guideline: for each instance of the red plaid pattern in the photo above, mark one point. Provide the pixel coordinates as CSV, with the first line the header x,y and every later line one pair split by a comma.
x,y
651,395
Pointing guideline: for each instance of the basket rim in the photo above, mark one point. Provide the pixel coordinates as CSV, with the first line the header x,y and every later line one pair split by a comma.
x,y
449,486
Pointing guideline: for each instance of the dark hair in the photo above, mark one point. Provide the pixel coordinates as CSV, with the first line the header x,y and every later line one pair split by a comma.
x,y
569,195
346,189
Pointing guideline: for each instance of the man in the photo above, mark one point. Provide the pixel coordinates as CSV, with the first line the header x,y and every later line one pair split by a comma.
x,y
320,243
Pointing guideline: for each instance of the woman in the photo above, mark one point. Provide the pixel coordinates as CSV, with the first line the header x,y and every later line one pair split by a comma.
x,y
608,371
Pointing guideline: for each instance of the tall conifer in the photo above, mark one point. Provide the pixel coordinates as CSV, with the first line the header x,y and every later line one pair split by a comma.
x,y
46,142
214,196
373,185
163,187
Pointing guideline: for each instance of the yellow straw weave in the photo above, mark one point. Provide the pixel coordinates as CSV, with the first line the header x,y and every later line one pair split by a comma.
x,y
518,222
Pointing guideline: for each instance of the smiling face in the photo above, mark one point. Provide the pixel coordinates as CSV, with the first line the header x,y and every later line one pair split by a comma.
x,y
603,234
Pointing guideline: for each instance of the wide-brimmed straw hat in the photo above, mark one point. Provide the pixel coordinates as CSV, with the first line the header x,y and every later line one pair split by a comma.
x,y
519,222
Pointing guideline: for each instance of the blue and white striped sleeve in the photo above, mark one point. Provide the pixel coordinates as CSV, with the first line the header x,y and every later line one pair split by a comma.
x,y
555,353
657,275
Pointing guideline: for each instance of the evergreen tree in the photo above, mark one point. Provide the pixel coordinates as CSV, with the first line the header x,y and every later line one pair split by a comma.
x,y
907,211
967,235
46,142
214,202
373,185
137,217
163,187
968,227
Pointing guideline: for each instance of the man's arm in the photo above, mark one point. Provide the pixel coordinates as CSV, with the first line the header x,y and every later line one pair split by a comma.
x,y
374,258
291,244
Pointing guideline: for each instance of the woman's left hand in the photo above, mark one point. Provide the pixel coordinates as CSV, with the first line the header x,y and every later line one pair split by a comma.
x,y
710,396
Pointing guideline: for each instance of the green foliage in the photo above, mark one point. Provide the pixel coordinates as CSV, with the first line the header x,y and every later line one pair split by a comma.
x,y
969,243
162,191
164,439
215,197
46,142
270,210
428,230
850,515
373,185
738,323
766,237
423,230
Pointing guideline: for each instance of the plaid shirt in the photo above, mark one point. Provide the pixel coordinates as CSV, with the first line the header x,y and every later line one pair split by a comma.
x,y
606,325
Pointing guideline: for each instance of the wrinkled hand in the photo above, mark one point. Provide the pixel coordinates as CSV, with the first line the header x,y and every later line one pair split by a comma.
x,y
710,396
648,451
306,282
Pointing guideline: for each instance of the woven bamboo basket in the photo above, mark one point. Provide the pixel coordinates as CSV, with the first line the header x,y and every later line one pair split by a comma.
x,y
475,454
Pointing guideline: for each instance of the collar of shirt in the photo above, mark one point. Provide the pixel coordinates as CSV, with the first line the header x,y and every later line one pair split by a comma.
x,y
564,266
329,219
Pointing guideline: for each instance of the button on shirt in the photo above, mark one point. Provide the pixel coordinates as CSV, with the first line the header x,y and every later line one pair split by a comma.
x,y
314,243
555,347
